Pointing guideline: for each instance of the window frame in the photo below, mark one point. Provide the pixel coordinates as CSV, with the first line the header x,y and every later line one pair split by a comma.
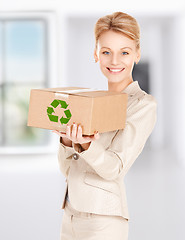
x,y
52,73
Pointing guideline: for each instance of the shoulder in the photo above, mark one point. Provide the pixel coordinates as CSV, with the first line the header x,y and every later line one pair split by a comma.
x,y
141,102
145,98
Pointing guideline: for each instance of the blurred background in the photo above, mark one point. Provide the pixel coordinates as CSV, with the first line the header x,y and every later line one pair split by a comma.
x,y
50,44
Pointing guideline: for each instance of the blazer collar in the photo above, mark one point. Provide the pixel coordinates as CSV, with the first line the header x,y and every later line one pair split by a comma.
x,y
132,88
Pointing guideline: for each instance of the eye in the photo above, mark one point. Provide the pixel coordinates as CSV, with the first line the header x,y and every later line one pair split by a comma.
x,y
106,52
125,53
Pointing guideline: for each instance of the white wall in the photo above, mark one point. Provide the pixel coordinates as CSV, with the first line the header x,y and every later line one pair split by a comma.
x,y
80,6
31,188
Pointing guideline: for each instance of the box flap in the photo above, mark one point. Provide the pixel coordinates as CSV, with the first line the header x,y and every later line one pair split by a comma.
x,y
98,93
83,92
60,89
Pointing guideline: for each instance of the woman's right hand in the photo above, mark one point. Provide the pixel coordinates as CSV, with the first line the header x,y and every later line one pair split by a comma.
x,y
75,135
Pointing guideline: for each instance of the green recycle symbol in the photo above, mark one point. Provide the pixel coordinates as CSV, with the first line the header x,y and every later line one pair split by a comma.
x,y
54,118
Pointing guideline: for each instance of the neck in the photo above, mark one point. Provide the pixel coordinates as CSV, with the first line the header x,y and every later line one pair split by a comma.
x,y
118,86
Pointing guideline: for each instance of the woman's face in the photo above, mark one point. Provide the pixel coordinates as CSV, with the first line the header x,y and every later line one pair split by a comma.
x,y
116,54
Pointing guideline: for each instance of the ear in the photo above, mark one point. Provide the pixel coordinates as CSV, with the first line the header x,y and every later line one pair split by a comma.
x,y
138,55
95,55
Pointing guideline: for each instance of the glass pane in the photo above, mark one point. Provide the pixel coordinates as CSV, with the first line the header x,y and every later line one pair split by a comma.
x,y
16,113
1,53
1,110
1,66
25,51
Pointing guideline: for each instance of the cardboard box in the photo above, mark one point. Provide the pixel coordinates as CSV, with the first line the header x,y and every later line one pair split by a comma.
x,y
95,110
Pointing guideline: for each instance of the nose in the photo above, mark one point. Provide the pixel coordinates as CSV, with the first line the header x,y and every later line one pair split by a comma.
x,y
115,59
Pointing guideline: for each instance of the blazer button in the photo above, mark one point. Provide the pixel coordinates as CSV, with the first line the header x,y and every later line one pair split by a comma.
x,y
75,156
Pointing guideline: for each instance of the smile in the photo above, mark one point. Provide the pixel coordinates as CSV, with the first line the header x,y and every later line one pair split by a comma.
x,y
115,70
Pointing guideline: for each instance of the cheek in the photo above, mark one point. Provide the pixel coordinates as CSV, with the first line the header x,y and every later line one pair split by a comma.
x,y
129,62
103,61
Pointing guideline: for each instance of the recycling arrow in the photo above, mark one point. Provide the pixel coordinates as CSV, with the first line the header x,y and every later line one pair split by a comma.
x,y
54,118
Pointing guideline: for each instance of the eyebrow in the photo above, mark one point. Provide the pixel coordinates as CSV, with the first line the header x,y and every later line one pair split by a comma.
x,y
127,47
120,48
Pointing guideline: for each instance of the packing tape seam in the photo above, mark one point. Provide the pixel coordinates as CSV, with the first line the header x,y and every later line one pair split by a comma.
x,y
80,90
61,95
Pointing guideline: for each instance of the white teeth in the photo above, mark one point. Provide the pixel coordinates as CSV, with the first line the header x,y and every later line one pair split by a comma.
x,y
115,70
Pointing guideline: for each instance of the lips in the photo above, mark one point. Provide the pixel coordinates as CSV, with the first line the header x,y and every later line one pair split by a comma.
x,y
115,70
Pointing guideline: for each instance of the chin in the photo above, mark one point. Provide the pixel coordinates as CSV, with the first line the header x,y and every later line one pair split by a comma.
x,y
114,81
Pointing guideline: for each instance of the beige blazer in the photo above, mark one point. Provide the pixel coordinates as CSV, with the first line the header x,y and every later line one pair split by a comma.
x,y
95,177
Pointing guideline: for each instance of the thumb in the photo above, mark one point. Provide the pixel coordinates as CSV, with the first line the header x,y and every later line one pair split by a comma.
x,y
96,135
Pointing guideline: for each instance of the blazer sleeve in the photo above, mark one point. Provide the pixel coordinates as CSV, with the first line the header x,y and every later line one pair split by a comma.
x,y
64,156
127,143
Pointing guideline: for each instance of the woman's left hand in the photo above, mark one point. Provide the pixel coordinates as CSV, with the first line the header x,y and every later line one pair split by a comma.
x,y
76,135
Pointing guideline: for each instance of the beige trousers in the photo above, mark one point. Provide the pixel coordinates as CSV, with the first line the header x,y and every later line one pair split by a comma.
x,y
88,226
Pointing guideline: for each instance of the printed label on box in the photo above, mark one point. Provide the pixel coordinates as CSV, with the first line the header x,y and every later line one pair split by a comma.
x,y
54,118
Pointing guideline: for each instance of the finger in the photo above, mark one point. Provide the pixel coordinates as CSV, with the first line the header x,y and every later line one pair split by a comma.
x,y
79,132
91,138
73,135
58,133
96,135
68,131
54,131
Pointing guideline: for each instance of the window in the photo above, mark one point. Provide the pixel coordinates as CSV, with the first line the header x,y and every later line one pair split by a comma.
x,y
24,62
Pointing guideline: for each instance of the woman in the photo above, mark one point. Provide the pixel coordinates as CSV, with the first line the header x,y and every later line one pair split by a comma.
x,y
95,204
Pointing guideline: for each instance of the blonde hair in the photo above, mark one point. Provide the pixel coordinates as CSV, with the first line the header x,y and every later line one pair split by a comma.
x,y
119,22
